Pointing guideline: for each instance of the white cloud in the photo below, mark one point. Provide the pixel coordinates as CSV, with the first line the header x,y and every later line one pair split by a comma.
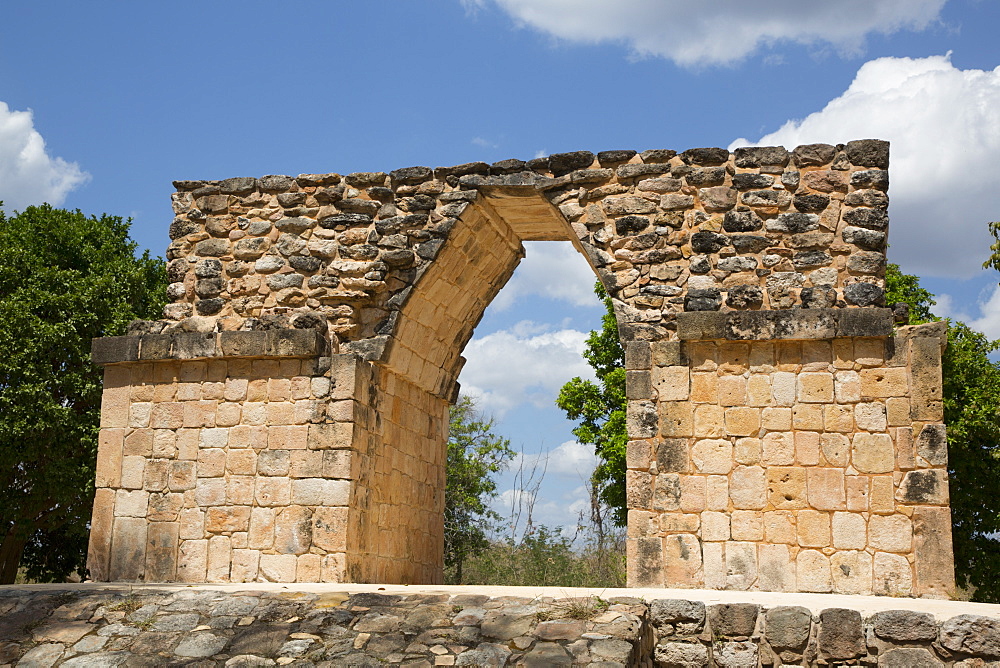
x,y
712,32
484,143
29,175
988,321
570,459
553,269
944,127
504,369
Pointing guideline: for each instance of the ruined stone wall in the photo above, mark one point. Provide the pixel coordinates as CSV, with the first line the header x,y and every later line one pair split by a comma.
x,y
748,288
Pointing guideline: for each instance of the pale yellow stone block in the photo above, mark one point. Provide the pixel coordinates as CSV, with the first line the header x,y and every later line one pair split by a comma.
x,y
898,411
334,567
761,357
778,449
836,449
693,494
245,565
714,526
164,444
881,383
777,569
869,352
742,421
783,388
211,463
733,357
843,353
815,387
712,456
277,567
857,492
678,522
873,453
714,560
852,573
779,527
192,561
890,533
881,499
273,491
892,575
219,558
807,448
758,390
682,561
138,442
133,468
808,417
642,523
309,568
747,525
741,565
228,414
717,492
701,355
812,571
786,487
838,418
813,528
788,355
850,531
847,387
676,418
732,390
870,416
776,419
210,491
110,442
709,420
826,488
241,461
748,488
235,389
747,451
240,489
671,383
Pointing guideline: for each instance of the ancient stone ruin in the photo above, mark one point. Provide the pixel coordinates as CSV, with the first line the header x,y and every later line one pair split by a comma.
x,y
286,420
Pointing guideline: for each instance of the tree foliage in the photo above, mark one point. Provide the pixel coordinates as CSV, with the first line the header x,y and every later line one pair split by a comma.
x,y
971,392
475,455
64,279
600,409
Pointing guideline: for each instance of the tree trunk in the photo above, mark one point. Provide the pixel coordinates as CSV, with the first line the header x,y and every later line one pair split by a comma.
x,y
11,550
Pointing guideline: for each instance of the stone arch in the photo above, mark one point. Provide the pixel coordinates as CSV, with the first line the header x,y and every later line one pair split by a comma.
x,y
286,420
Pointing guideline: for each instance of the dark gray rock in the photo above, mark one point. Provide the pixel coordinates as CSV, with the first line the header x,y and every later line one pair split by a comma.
x,y
787,627
564,163
275,182
672,457
741,220
209,287
212,247
811,259
736,654
745,297
626,172
346,220
752,181
814,154
819,297
749,243
733,619
462,170
840,634
703,299
909,657
708,242
972,634
295,225
208,268
757,156
871,178
872,219
865,239
509,166
305,263
627,225
542,654
904,625
680,655
686,617
790,180
614,157
657,155
868,153
410,175
708,176
699,264
181,227
210,306
932,444
866,262
870,197
796,223
705,156
864,294
810,203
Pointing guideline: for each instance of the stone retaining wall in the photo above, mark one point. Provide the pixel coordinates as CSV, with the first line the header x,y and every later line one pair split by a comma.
x,y
146,626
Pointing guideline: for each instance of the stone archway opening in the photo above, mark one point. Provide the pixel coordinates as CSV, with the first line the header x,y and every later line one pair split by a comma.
x,y
286,420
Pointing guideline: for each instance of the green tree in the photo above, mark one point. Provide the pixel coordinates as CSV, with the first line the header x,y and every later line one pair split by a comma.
x,y
475,455
64,280
600,409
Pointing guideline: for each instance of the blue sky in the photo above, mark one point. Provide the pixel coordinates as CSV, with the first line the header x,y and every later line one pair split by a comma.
x,y
103,104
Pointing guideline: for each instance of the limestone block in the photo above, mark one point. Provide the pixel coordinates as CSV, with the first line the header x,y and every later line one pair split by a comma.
x,y
783,388
714,565
642,523
924,487
133,503
890,533
742,421
838,418
748,487
776,568
881,383
847,387
101,530
261,534
813,528
850,531
747,451
240,489
873,453
717,492
133,469
666,492
852,572
881,499
892,575
808,417
815,387
192,524
210,491
676,419
245,565
219,558
732,391
161,552
109,457
241,462
211,463
644,560
693,493
227,519
138,442
682,561
638,489
709,421
812,572
641,417
333,568
715,526
759,391
779,527
671,455
273,462
841,635
329,530
932,445
747,525
932,547
674,522
903,438
826,488
293,530
776,419
334,435
277,567
836,449
192,562
807,448
741,565
778,449
712,456
671,383
164,444
857,492
925,378
870,416
272,491
786,487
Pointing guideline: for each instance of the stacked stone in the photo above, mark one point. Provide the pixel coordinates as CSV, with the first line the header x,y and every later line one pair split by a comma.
x,y
232,469
815,465
761,228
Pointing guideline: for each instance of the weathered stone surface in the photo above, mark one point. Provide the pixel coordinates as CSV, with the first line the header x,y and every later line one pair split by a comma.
x,y
787,627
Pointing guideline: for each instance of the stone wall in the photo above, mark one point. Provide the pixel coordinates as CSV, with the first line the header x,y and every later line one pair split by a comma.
x,y
769,397
87,625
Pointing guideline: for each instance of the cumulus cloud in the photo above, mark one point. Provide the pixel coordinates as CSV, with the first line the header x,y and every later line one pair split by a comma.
x,y
515,506
944,127
713,32
28,174
553,269
570,459
510,367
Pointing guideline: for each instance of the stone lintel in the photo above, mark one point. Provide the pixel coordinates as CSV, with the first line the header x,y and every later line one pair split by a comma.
x,y
790,324
201,345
